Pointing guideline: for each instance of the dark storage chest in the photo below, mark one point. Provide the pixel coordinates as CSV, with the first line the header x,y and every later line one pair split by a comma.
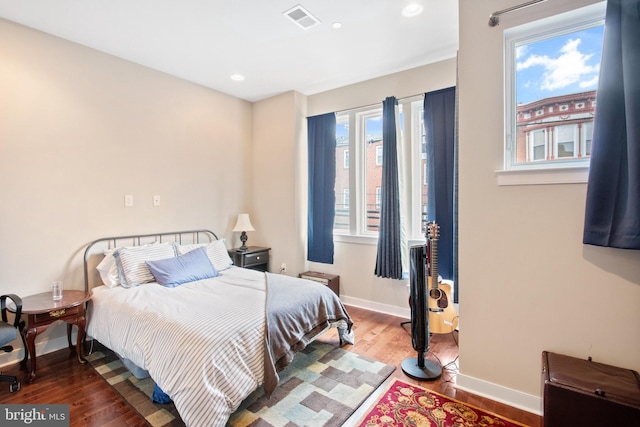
x,y
579,392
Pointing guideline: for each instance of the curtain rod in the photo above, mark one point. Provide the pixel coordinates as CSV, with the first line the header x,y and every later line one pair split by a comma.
x,y
378,104
494,18
399,99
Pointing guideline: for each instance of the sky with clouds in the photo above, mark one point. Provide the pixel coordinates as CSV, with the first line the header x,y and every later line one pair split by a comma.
x,y
560,65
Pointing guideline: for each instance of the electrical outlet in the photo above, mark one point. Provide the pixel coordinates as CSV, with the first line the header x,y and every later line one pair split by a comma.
x,y
283,267
128,200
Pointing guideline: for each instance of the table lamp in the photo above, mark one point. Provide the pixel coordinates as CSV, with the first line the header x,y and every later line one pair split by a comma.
x,y
243,224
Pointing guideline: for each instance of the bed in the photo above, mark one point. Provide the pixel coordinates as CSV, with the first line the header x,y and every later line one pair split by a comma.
x,y
209,333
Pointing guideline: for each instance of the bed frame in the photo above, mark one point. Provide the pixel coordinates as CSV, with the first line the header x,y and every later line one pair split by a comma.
x,y
94,252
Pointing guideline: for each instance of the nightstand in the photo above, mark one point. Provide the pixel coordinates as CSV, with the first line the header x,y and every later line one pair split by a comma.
x,y
255,258
41,311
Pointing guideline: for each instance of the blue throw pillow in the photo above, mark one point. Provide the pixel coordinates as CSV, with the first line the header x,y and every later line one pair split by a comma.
x,y
172,272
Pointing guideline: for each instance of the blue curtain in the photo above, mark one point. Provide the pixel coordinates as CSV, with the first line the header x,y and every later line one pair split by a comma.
x,y
612,215
439,124
321,133
389,260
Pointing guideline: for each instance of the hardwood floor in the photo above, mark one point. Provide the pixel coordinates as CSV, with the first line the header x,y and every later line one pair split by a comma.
x,y
61,379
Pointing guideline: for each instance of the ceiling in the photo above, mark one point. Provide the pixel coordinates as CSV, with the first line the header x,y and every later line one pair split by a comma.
x,y
207,41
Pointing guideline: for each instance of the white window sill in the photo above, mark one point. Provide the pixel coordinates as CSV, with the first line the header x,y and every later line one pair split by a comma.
x,y
562,175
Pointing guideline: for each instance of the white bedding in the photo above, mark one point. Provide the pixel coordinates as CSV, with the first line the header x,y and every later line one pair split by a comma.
x,y
217,358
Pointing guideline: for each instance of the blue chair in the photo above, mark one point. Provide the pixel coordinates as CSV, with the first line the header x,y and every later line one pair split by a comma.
x,y
9,332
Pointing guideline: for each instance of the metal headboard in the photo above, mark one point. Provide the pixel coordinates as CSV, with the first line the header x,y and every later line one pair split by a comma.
x,y
180,237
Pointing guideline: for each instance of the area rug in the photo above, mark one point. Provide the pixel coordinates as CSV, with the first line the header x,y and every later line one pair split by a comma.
x,y
409,405
323,386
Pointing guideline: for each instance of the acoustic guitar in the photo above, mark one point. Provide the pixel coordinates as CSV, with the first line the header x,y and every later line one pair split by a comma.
x,y
442,314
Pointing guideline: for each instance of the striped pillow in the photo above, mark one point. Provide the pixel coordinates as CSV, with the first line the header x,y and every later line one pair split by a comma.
x,y
131,263
216,251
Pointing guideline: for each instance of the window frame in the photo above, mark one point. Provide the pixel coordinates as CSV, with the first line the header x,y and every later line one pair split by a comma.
x,y
571,169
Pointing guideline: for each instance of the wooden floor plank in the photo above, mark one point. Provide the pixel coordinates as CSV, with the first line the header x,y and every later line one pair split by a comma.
x,y
61,379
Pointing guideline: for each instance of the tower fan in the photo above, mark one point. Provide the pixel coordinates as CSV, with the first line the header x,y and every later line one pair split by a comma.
x,y
419,367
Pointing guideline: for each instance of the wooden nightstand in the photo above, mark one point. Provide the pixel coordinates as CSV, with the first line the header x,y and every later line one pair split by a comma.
x,y
255,258
41,311
330,280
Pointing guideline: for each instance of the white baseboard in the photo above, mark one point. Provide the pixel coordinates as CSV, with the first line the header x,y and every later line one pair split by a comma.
x,y
508,396
376,306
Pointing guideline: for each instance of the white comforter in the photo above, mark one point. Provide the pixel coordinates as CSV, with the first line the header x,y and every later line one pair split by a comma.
x,y
217,359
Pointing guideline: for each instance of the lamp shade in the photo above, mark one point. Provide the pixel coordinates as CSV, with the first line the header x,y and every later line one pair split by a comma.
x,y
243,223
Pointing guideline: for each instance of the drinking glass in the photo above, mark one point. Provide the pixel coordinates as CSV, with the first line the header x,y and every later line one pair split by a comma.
x,y
56,290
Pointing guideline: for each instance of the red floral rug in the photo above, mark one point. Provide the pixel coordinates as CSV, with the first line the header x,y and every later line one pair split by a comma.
x,y
409,405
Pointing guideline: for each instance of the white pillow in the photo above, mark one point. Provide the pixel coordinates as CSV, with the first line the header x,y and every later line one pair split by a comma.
x,y
133,269
109,270
216,251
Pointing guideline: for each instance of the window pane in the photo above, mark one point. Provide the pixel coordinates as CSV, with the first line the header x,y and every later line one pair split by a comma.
x,y
587,136
556,80
341,221
565,139
379,155
373,170
539,145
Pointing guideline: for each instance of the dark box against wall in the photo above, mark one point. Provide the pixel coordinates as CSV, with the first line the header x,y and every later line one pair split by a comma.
x,y
330,280
579,392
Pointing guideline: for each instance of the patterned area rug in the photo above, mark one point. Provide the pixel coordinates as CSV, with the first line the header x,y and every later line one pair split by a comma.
x,y
409,405
323,386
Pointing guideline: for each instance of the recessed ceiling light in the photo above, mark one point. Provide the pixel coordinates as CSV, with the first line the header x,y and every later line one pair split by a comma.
x,y
337,25
237,77
412,9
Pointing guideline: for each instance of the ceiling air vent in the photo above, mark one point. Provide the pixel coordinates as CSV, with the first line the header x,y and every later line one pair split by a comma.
x,y
302,17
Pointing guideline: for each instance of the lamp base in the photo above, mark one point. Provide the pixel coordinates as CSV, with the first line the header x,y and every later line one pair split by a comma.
x,y
429,371
243,239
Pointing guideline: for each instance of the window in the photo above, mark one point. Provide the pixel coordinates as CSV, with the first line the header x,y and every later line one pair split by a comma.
x,y
587,134
359,132
552,69
379,155
538,145
565,141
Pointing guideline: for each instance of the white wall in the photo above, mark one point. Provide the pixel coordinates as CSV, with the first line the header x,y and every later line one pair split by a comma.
x,y
80,129
279,179
527,283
